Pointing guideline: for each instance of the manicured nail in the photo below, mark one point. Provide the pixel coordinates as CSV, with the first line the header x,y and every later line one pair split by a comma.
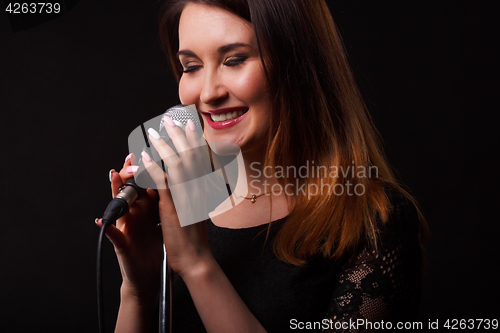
x,y
129,156
154,133
146,157
191,125
96,220
132,169
169,121
111,174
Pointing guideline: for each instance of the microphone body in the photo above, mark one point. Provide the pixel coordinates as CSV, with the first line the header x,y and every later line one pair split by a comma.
x,y
121,203
134,187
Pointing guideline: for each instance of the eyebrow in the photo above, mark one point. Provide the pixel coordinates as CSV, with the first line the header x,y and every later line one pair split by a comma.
x,y
222,49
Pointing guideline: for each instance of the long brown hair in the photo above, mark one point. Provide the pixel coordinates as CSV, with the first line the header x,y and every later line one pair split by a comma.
x,y
318,120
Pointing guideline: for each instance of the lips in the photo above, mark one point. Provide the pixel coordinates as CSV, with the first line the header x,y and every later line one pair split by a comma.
x,y
225,117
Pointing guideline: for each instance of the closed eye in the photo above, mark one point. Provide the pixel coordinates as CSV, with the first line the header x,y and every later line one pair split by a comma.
x,y
188,69
235,61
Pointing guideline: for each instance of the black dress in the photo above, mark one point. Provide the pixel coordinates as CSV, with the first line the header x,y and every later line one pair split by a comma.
x,y
325,295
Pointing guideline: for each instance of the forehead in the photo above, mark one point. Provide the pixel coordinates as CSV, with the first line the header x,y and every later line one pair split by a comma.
x,y
203,25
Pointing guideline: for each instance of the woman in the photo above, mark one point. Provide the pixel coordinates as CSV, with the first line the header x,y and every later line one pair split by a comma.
x,y
329,237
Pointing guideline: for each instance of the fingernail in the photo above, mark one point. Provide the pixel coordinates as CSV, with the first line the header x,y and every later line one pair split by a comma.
x,y
169,121
132,169
96,220
129,156
191,125
154,133
146,157
111,174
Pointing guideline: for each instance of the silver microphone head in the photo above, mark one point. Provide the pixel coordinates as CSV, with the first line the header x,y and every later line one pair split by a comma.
x,y
138,139
180,114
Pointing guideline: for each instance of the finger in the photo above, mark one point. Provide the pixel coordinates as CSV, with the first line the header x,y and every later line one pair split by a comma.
x,y
114,235
166,153
125,173
161,181
176,164
192,136
147,202
152,194
116,182
159,177
200,149
177,135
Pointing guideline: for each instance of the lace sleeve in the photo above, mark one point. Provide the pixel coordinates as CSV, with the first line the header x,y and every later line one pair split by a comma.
x,y
383,284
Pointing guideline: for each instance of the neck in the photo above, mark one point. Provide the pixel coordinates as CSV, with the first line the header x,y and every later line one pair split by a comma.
x,y
253,179
257,180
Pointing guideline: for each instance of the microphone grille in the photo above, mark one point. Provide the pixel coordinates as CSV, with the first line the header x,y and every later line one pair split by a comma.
x,y
180,114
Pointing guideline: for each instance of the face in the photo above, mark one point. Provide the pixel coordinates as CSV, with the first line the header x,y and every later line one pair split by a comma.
x,y
223,76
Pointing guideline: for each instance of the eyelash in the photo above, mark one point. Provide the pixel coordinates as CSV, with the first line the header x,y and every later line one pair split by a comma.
x,y
235,61
189,69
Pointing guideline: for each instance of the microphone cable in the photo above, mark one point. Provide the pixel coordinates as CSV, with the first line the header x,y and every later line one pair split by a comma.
x,y
100,300
117,207
180,114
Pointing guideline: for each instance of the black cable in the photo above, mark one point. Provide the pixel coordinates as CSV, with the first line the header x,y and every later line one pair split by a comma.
x,y
100,300
115,209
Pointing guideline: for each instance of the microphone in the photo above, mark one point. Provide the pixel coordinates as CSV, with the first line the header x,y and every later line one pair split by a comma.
x,y
134,187
121,203
180,114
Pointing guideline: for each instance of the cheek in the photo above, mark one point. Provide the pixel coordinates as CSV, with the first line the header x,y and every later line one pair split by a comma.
x,y
251,87
188,92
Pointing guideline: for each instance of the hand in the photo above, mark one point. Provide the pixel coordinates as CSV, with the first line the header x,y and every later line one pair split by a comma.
x,y
185,240
137,239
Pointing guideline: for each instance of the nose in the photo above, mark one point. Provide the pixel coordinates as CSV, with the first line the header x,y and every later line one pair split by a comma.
x,y
213,90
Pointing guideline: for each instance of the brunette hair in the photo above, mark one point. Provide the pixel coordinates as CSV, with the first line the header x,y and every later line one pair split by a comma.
x,y
318,116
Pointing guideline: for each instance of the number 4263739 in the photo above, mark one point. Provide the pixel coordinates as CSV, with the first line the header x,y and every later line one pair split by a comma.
x,y
461,324
33,8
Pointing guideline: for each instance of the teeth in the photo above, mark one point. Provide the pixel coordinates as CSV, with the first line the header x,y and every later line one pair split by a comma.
x,y
226,116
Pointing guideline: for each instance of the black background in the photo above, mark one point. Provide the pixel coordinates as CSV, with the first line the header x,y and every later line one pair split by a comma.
x,y
73,88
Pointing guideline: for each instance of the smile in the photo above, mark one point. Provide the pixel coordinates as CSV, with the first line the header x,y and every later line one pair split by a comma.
x,y
224,118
